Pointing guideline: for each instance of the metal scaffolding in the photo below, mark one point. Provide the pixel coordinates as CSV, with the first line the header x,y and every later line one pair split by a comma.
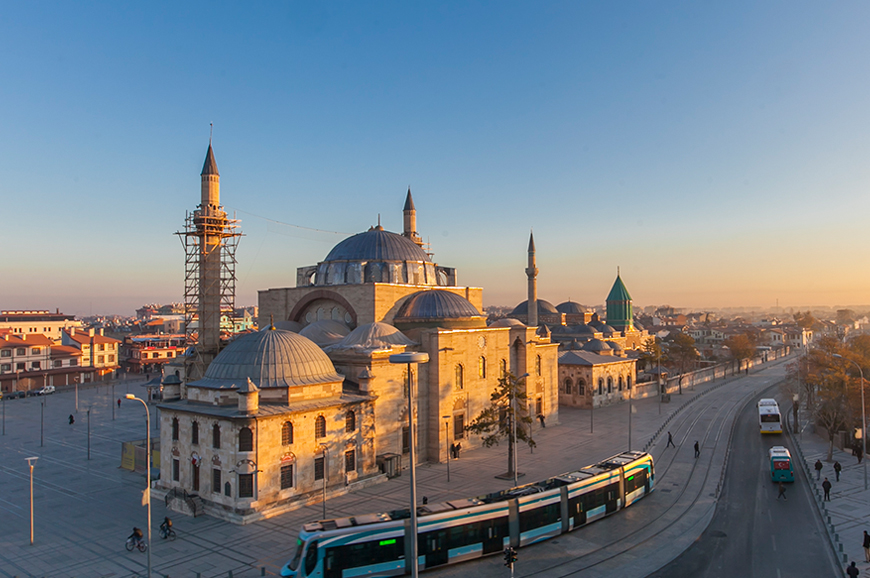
x,y
202,234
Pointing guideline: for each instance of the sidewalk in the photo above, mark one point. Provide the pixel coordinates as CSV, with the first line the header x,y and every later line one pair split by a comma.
x,y
847,514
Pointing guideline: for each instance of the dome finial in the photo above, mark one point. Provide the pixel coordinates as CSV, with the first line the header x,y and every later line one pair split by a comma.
x,y
272,322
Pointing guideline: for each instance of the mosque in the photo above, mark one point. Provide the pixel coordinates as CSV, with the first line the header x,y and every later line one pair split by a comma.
x,y
311,406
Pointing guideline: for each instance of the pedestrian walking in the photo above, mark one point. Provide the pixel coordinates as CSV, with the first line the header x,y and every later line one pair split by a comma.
x,y
459,449
453,451
866,546
541,419
119,403
72,419
837,469
826,485
860,452
818,467
781,492
697,449
852,571
670,441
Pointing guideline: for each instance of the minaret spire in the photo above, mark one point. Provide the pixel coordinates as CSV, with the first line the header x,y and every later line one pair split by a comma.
x,y
410,219
532,275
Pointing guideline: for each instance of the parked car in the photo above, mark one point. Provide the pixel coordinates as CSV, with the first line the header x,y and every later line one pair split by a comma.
x,y
16,395
45,390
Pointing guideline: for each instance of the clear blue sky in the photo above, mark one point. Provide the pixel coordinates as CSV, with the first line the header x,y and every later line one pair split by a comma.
x,y
716,152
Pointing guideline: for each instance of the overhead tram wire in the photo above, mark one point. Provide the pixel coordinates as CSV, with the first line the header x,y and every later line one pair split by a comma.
x,y
289,225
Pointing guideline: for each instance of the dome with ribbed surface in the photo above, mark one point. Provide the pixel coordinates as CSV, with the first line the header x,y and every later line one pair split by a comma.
x,y
373,336
507,322
376,244
325,332
271,359
436,304
597,346
570,307
544,308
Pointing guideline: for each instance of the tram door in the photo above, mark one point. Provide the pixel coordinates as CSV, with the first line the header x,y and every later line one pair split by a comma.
x,y
437,552
492,535
611,495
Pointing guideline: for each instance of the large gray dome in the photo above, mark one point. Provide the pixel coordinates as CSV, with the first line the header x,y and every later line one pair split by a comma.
x,y
436,304
376,244
373,336
544,307
325,332
271,359
570,307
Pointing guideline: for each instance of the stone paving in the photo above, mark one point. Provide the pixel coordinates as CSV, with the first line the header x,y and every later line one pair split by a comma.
x,y
847,514
85,509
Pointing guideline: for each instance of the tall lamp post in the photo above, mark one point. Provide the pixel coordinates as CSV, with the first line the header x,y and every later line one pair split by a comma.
x,y
863,415
514,424
408,358
325,475
30,462
446,419
147,495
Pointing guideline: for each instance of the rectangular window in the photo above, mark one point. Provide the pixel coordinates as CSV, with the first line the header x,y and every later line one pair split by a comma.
x,y
216,481
6,367
459,426
246,485
406,442
73,362
35,350
111,359
155,355
20,366
350,461
102,346
34,365
6,353
101,359
318,468
21,351
168,354
195,477
176,465
286,476
58,363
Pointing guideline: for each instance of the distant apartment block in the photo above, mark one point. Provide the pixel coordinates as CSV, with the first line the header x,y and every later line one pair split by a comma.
x,y
98,351
148,353
30,361
27,322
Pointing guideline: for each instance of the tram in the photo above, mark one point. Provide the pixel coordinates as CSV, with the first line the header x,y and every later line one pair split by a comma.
x,y
780,465
458,530
769,418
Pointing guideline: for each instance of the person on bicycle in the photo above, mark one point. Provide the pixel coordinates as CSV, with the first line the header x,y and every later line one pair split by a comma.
x,y
165,526
136,536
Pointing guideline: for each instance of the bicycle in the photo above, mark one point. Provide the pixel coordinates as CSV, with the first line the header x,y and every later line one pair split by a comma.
x,y
131,543
167,533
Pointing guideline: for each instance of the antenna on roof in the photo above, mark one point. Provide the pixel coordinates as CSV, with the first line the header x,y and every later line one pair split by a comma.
x,y
379,219
210,132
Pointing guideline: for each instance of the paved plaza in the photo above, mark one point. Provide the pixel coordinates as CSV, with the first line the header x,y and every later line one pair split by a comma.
x,y
85,509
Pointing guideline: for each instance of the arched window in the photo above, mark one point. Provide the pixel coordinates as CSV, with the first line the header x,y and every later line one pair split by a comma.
x,y
600,385
609,384
320,427
568,385
503,367
216,437
538,365
628,380
350,421
175,429
581,386
246,440
194,433
620,383
287,434
481,367
460,376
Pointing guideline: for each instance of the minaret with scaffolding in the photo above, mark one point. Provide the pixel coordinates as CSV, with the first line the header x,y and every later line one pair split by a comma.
x,y
210,240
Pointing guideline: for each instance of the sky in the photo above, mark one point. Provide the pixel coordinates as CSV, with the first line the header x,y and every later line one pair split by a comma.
x,y
716,153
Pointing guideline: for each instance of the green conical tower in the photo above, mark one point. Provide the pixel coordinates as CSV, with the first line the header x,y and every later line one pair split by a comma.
x,y
619,312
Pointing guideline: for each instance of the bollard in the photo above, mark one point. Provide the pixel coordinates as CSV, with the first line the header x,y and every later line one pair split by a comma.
x,y
263,571
230,574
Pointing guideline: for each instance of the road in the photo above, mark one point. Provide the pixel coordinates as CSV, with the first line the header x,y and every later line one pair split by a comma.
x,y
753,534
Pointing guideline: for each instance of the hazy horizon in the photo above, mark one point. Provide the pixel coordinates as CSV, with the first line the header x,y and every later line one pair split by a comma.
x,y
715,153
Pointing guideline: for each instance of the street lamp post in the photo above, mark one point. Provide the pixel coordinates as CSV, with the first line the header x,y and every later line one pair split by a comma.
x,y
408,358
446,419
89,433
76,379
147,495
863,415
30,462
41,420
325,475
629,417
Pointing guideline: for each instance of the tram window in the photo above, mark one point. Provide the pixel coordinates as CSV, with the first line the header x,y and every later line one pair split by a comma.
x,y
770,418
541,516
635,481
368,553
311,557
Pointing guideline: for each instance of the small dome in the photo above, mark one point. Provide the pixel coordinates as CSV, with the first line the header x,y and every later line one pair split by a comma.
x,y
597,346
597,324
377,245
582,329
372,336
607,330
325,332
436,304
638,326
544,307
575,345
570,307
617,348
507,322
270,359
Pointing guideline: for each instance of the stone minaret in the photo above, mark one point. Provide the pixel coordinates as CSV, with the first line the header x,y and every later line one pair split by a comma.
x,y
410,214
210,220
532,274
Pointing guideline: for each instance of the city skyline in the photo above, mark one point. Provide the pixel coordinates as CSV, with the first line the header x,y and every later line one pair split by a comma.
x,y
713,153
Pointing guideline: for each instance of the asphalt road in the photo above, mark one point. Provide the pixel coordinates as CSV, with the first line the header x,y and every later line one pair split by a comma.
x,y
751,533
